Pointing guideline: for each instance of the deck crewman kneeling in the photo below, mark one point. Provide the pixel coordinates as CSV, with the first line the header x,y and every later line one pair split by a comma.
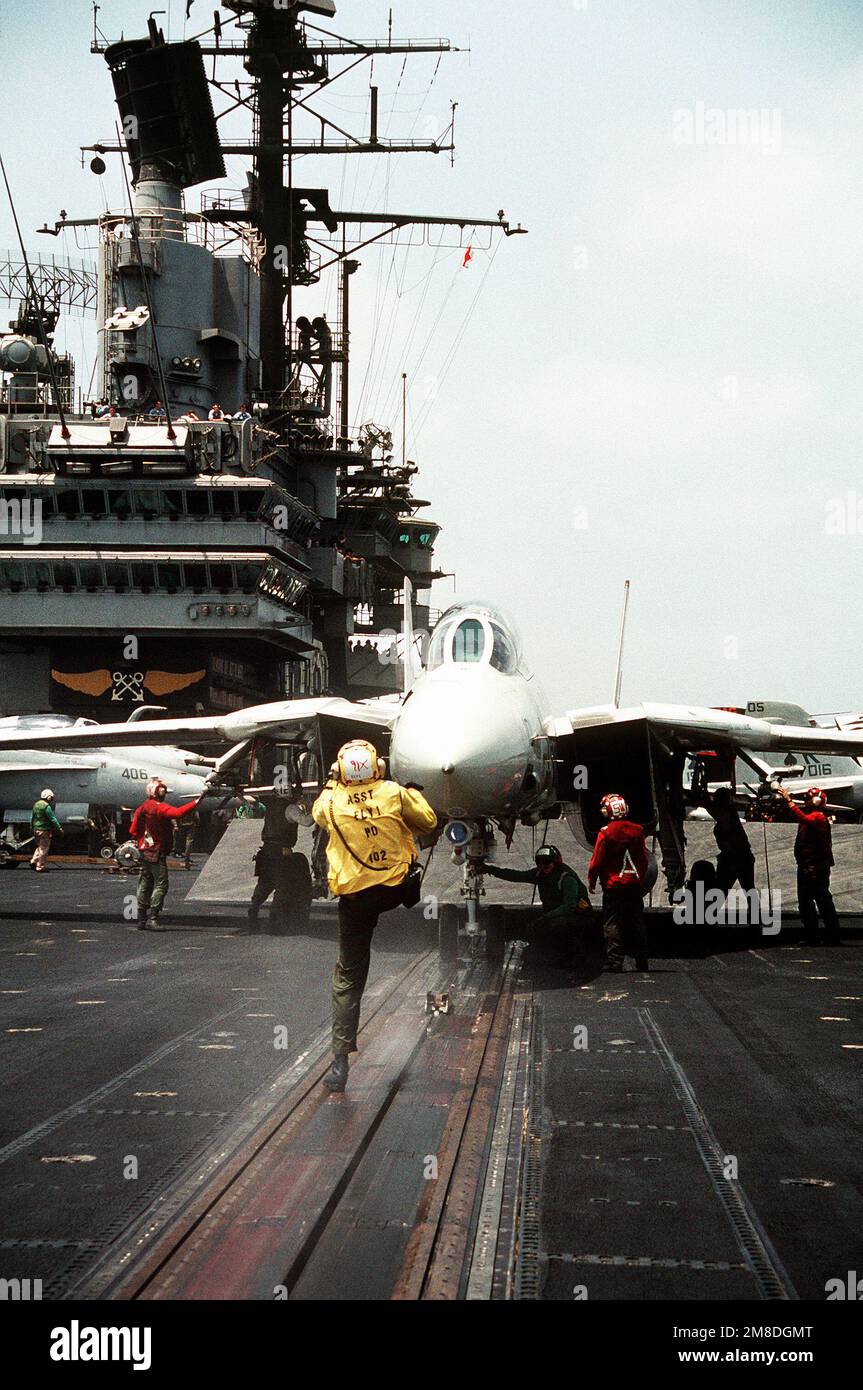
x,y
565,903
371,852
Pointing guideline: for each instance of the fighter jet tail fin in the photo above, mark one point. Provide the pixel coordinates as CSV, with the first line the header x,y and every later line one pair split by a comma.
x,y
779,712
141,710
411,664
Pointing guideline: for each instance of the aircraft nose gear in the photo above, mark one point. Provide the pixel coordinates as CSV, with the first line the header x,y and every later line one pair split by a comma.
x,y
472,842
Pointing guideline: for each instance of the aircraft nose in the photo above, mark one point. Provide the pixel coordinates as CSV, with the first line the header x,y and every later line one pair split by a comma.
x,y
466,750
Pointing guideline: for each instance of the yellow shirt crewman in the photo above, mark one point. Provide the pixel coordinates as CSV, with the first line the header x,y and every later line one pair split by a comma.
x,y
370,853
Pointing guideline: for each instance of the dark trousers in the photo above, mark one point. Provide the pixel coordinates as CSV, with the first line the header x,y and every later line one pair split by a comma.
x,y
814,897
358,917
559,936
153,886
623,922
734,868
267,883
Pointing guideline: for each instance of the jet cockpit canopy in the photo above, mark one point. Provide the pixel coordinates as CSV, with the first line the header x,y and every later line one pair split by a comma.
x,y
475,634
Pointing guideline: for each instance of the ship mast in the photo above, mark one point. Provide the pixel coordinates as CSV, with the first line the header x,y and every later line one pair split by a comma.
x,y
290,61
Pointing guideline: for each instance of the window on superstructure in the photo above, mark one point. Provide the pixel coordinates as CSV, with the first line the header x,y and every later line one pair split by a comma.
x,y
198,505
221,577
119,504
68,503
40,576
249,503
247,577
117,576
90,574
169,576
93,501
196,576
146,503
225,505
12,575
142,576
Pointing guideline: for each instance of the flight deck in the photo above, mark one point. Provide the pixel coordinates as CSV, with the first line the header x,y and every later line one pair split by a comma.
x,y
511,1131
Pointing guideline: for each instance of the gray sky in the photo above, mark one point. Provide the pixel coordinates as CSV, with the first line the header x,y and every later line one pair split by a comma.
x,y
661,383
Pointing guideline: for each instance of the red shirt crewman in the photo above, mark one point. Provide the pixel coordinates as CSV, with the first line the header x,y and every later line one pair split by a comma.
x,y
813,850
620,862
152,830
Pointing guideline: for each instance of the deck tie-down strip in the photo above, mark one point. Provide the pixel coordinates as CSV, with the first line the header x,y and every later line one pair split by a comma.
x,y
482,1267
772,1278
646,1262
526,1284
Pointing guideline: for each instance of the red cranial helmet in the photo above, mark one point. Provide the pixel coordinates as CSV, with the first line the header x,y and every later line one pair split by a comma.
x,y
816,798
613,806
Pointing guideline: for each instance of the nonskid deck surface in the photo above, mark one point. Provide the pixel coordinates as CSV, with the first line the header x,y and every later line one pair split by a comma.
x,y
692,1133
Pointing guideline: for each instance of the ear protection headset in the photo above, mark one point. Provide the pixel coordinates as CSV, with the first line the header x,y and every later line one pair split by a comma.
x,y
358,763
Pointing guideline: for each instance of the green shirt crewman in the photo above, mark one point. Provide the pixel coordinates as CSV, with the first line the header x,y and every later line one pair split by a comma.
x,y
44,824
565,899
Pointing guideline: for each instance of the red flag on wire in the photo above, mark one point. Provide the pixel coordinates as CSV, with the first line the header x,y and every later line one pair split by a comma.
x,y
468,257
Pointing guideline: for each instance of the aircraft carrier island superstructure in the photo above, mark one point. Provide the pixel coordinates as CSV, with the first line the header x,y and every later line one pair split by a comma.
x,y
153,554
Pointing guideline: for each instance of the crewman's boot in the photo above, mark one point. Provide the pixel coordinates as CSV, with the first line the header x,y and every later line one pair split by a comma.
x,y
153,923
336,1078
253,926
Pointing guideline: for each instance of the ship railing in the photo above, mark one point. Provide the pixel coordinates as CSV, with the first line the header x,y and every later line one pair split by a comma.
x,y
30,395
190,227
310,351
223,576
230,200
434,614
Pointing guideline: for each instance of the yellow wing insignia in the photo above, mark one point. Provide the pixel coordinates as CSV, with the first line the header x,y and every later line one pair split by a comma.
x,y
93,683
169,682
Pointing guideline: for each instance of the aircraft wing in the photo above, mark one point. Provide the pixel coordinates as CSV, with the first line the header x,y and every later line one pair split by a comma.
x,y
6,769
693,729
286,721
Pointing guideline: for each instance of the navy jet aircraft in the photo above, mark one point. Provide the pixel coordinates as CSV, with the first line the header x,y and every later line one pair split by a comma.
x,y
839,775
110,779
475,731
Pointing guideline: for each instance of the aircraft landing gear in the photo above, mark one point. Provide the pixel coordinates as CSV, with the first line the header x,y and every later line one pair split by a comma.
x,y
7,856
479,931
